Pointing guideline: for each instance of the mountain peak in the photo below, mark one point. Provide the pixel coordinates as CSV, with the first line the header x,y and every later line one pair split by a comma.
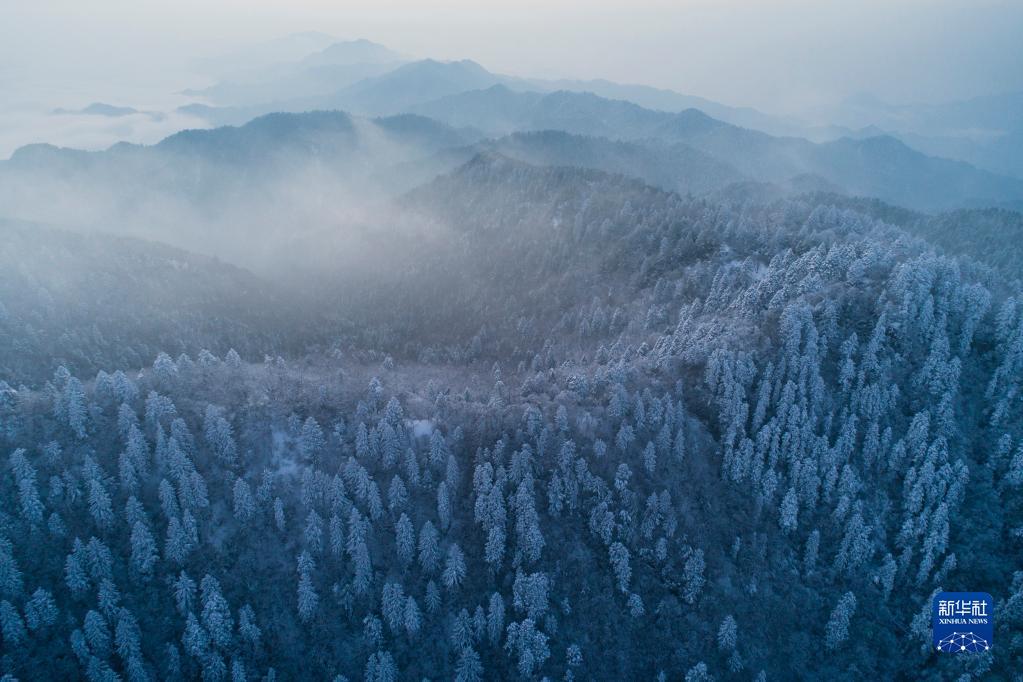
x,y
349,52
100,109
694,119
436,65
250,137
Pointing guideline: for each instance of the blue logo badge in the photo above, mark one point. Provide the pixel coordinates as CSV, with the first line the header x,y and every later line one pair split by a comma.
x,y
963,622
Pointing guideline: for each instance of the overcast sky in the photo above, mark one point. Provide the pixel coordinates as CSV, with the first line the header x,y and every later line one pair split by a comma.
x,y
781,56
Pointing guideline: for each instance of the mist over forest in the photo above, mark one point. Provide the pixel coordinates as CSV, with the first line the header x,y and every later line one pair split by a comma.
x,y
339,361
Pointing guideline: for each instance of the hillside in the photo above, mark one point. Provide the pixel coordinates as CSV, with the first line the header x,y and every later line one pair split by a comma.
x,y
245,194
584,428
91,302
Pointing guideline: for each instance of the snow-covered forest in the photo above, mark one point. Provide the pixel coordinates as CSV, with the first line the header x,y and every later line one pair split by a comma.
x,y
602,432
504,385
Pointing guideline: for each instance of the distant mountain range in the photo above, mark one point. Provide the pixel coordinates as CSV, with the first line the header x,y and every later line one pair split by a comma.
x,y
331,78
314,71
285,159
985,131
395,90
669,100
463,93
279,182
872,166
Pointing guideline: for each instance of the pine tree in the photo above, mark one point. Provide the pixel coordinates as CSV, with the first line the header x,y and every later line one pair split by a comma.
x,y
99,504
635,604
172,662
574,656
10,574
126,470
392,606
789,511
109,598
214,669
727,634
28,494
529,538
381,668
75,576
698,673
178,545
248,629
74,409
128,641
469,668
311,441
397,495
219,435
433,597
624,438
100,671
216,615
97,634
620,565
99,560
886,576
528,645
438,449
404,542
650,457
454,567
40,610
307,597
195,639
363,568
493,551
165,371
412,617
495,618
410,467
692,576
11,625
244,503
313,534
233,360
429,549
810,552
443,505
184,593
837,629
143,549
530,594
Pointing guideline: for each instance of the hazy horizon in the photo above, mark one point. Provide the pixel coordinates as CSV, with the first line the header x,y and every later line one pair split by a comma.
x,y
794,58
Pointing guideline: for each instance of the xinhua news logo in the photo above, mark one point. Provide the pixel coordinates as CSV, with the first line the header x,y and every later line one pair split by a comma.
x,y
963,622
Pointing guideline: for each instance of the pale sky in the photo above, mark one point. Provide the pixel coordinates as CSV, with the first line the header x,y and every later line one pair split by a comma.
x,y
781,56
